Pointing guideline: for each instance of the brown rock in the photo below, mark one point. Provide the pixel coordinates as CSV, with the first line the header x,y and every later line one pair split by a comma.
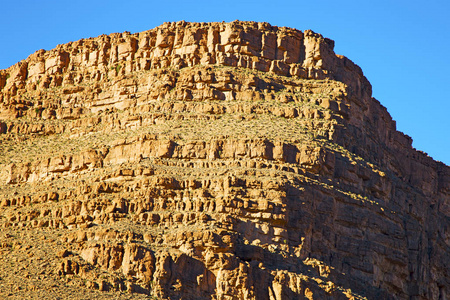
x,y
213,161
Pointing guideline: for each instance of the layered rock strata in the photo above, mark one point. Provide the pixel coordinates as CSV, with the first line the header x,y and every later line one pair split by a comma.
x,y
212,161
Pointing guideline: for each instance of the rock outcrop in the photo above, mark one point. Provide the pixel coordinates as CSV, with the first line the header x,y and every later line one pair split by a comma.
x,y
212,161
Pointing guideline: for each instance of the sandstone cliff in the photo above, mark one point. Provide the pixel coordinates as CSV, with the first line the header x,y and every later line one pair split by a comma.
x,y
212,161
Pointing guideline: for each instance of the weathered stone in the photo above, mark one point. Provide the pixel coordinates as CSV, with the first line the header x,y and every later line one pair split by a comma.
x,y
213,161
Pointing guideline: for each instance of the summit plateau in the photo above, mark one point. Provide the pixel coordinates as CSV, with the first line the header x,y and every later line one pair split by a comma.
x,y
212,161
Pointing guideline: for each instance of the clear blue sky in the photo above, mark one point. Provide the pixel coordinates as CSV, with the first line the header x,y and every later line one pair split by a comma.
x,y
402,46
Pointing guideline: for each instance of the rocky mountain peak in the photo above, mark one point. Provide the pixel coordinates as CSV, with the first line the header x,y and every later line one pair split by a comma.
x,y
212,161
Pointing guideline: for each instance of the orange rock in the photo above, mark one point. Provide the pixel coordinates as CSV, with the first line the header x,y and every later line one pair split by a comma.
x,y
213,161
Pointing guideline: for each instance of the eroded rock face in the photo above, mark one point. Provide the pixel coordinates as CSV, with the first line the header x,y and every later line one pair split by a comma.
x,y
212,161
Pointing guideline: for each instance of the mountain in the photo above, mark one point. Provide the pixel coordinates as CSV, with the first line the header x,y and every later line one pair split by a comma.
x,y
212,161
